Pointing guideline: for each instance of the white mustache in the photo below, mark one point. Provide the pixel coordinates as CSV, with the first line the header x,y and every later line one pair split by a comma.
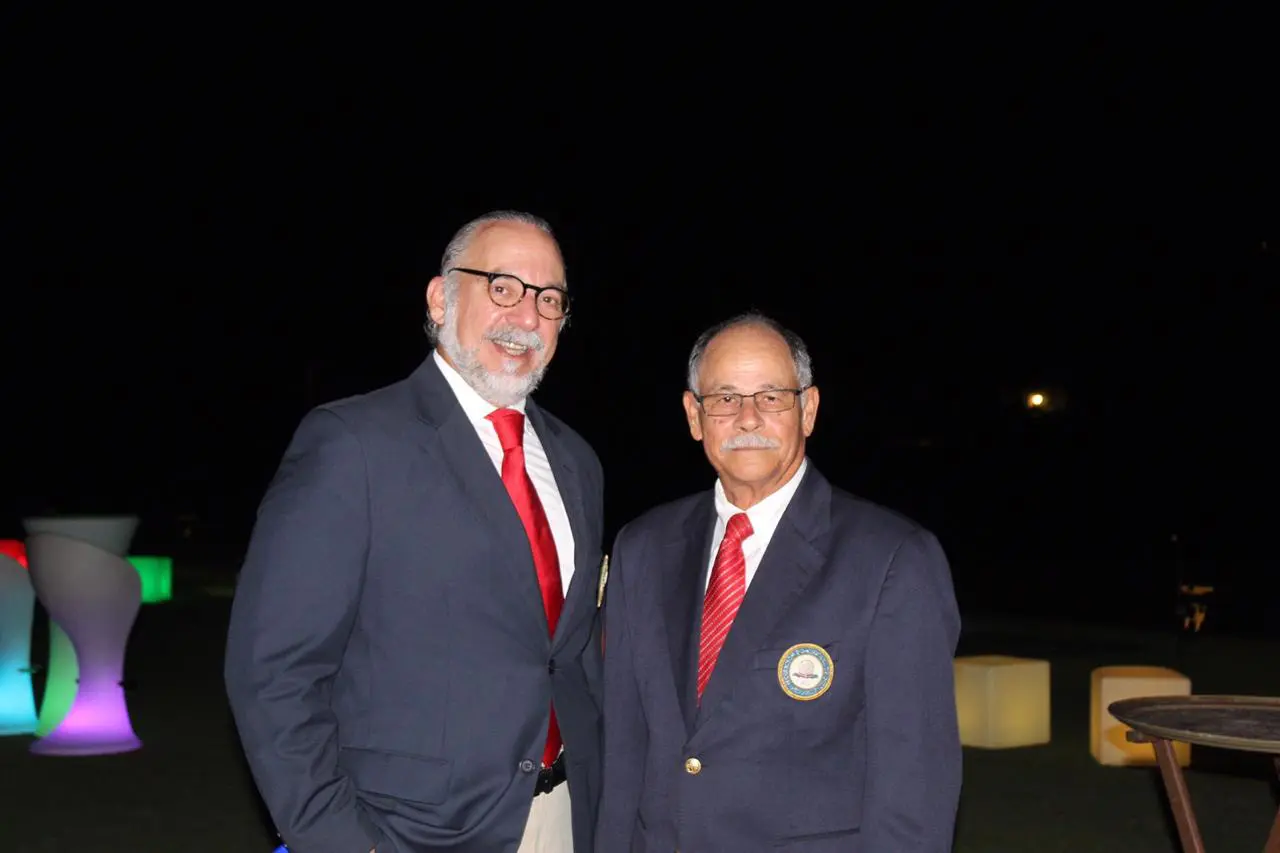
x,y
749,440
518,337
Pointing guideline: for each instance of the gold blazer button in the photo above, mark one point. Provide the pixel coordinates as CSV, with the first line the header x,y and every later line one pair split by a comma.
x,y
693,766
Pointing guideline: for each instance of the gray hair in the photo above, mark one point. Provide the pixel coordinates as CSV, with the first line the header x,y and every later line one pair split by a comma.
x,y
799,352
462,239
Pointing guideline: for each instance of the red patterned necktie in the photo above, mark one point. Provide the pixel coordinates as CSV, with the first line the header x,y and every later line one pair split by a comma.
x,y
724,596
510,426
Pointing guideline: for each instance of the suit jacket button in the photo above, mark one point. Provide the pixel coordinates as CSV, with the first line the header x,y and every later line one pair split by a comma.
x,y
526,766
693,766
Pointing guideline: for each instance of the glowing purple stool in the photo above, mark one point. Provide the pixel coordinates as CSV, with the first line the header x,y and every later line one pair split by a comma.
x,y
93,594
17,607
113,534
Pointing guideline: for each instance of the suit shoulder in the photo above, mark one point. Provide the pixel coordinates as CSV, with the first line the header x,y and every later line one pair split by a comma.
x,y
371,410
663,517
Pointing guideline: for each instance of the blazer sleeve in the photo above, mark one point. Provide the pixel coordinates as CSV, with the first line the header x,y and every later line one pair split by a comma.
x,y
626,735
295,605
913,740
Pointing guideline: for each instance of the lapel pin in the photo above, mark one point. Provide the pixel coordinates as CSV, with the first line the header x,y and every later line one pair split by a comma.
x,y
604,578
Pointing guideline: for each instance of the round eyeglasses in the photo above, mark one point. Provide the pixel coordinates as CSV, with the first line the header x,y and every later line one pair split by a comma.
x,y
507,291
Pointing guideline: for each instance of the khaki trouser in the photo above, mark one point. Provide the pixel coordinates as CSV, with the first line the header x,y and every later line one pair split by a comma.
x,y
550,826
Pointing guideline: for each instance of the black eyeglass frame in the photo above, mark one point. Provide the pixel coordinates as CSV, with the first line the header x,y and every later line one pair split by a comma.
x,y
537,291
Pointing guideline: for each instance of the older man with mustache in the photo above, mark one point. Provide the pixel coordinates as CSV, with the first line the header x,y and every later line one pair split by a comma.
x,y
778,670
413,659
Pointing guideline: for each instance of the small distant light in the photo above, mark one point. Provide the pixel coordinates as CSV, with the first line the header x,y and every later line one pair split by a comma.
x,y
1035,401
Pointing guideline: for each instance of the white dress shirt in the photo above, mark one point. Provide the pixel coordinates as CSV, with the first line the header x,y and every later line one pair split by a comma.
x,y
764,518
477,410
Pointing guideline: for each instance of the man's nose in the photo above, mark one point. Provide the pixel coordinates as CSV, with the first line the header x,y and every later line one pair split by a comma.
x,y
525,312
748,416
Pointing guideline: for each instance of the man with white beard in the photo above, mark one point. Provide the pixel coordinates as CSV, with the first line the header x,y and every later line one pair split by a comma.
x,y
413,660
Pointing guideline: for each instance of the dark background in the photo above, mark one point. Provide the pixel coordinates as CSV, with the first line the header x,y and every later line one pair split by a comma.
x,y
216,221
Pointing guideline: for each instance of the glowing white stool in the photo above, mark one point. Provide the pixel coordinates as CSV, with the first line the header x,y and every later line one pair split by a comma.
x,y
111,533
94,595
17,607
1107,735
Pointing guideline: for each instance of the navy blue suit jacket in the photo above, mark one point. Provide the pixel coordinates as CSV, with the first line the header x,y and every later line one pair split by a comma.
x,y
871,765
388,661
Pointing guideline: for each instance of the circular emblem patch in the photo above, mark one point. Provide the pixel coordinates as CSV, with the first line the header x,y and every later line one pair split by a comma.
x,y
805,671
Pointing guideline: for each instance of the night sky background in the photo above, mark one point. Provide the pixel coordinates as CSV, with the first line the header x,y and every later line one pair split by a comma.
x,y
216,222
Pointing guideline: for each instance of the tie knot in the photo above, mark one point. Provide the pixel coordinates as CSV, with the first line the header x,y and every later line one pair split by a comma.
x,y
510,426
738,528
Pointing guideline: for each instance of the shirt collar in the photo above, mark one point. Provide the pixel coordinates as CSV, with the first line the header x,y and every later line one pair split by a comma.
x,y
764,516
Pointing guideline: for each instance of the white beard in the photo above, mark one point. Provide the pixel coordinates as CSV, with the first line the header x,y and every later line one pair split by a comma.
x,y
503,389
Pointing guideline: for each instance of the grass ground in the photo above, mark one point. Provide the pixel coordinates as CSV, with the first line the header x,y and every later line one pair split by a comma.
x,y
187,789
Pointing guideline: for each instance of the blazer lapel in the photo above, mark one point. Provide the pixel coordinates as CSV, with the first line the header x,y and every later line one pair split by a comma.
x,y
789,564
481,488
682,604
583,581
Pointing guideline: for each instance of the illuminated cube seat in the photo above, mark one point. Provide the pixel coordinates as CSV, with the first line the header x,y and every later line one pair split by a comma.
x,y
1001,701
156,574
1110,684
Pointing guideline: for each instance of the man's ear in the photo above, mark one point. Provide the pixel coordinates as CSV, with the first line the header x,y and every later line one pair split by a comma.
x,y
435,300
810,416
692,412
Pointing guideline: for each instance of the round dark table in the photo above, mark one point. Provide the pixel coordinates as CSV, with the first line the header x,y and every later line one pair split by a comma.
x,y
1244,723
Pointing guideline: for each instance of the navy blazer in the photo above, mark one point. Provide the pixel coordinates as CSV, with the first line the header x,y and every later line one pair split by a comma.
x,y
872,764
388,661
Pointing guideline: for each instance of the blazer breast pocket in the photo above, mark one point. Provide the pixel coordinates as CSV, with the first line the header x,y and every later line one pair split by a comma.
x,y
772,658
806,666
801,681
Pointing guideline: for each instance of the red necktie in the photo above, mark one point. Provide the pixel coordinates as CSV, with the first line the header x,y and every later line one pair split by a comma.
x,y
724,596
510,426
